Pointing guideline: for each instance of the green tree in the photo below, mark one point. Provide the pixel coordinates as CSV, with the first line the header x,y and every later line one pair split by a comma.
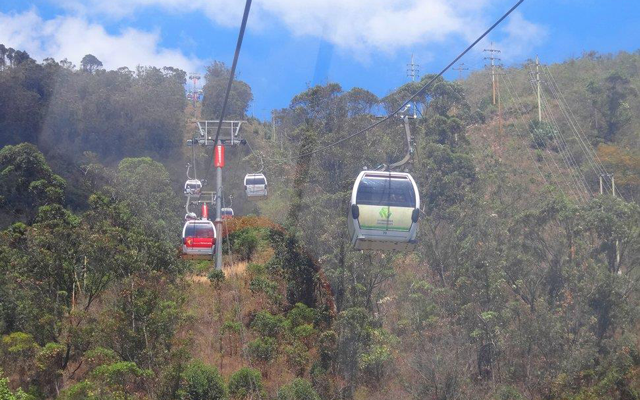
x,y
202,382
27,181
217,78
246,383
90,63
298,389
610,100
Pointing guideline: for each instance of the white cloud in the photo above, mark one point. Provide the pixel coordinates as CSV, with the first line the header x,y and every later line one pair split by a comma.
x,y
361,25
521,36
73,37
375,24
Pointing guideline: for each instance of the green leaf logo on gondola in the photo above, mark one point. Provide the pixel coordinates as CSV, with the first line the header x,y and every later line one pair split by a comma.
x,y
385,213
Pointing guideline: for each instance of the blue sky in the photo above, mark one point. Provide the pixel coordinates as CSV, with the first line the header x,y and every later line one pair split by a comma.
x,y
291,44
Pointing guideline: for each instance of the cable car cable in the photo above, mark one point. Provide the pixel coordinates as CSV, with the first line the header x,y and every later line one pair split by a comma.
x,y
419,92
258,156
243,26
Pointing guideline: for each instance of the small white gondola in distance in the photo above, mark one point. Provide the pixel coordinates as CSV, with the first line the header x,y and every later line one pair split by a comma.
x,y
193,187
255,185
226,213
384,211
198,239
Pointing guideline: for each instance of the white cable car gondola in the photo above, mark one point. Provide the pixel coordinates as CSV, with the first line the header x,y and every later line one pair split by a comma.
x,y
226,213
255,185
193,187
198,239
384,211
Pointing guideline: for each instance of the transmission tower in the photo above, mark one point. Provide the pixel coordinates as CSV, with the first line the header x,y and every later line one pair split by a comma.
x,y
461,67
195,77
413,71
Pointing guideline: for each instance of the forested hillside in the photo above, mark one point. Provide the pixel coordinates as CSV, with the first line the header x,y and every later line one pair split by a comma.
x,y
522,286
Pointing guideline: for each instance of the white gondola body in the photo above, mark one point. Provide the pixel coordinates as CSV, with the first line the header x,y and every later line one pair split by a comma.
x,y
226,213
193,187
387,211
255,186
198,239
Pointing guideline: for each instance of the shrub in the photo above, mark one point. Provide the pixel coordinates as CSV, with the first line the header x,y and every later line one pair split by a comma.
x,y
298,389
267,324
300,314
297,358
262,349
328,346
119,375
255,270
266,286
304,332
202,382
508,393
216,277
244,383
100,356
245,243
7,394
85,390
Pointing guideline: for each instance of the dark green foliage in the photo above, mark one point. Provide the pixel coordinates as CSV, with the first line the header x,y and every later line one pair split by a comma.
x,y
245,242
26,182
262,350
217,78
202,382
256,270
297,358
513,288
301,314
298,389
7,394
112,113
216,277
508,393
610,99
268,287
542,134
268,325
90,63
246,383
297,267
451,175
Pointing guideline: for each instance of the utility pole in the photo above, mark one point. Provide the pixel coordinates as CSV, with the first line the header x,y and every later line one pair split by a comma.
x,y
461,67
413,71
499,99
613,192
613,183
195,77
538,86
229,137
219,163
492,56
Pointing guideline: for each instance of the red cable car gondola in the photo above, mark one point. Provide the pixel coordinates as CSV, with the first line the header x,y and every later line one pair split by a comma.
x,y
199,238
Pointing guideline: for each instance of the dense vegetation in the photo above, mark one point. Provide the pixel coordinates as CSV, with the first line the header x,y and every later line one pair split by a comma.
x,y
515,291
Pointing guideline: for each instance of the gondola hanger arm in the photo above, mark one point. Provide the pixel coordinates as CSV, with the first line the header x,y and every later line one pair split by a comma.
x,y
407,156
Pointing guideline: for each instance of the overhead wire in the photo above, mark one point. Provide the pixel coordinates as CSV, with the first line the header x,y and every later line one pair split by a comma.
x,y
563,112
416,94
554,177
521,117
590,153
563,149
243,26
257,156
